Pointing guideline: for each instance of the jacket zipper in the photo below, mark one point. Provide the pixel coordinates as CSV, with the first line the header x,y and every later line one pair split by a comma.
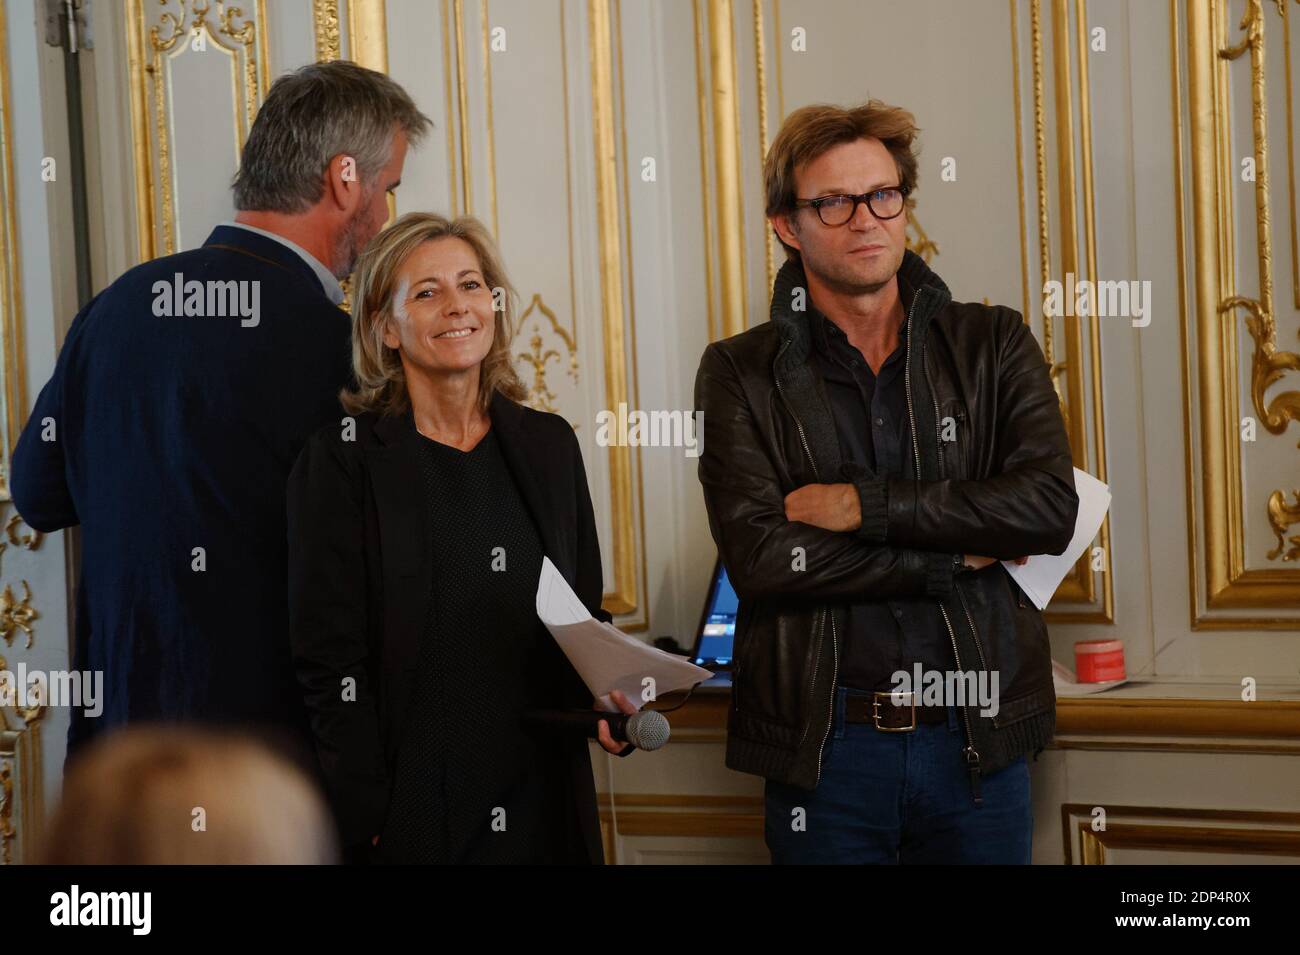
x,y
803,439
955,585
961,595
971,754
830,716
812,684
835,649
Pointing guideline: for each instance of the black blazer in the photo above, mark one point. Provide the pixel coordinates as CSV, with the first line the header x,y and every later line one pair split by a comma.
x,y
360,566
175,433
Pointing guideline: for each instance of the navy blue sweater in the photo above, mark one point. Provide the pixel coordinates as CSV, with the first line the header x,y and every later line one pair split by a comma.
x,y
172,440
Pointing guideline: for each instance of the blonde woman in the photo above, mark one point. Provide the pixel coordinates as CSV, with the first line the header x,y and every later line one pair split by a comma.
x,y
417,528
129,798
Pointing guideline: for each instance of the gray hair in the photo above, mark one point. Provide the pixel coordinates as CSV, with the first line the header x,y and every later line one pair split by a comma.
x,y
312,115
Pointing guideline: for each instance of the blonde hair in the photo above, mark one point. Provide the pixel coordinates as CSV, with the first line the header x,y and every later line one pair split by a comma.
x,y
133,798
380,383
810,131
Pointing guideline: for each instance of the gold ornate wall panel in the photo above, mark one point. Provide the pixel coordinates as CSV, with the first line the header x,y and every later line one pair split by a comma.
x,y
1286,12
197,71
616,294
1085,595
368,33
325,24
21,780
721,106
367,23
1241,366
659,829
1217,835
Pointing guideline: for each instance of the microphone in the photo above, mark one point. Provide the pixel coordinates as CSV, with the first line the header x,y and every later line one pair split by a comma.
x,y
646,730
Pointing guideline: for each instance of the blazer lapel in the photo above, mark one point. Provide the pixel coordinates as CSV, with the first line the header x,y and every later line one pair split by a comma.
x,y
404,530
527,460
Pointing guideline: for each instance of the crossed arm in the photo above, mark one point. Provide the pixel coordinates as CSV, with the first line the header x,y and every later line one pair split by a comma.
x,y
1027,506
885,538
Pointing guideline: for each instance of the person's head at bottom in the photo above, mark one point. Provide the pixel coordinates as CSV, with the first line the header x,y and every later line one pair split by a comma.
x,y
185,795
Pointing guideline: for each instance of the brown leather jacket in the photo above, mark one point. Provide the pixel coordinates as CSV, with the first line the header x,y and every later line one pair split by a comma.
x,y
1003,488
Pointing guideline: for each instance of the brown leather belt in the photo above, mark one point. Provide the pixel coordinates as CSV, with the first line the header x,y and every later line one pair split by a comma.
x,y
887,716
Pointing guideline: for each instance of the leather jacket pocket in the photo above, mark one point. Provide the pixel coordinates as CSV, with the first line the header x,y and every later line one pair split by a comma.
x,y
1033,651
774,657
955,439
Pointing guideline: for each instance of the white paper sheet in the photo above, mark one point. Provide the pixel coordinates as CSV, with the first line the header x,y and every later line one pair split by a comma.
x,y
606,658
1039,576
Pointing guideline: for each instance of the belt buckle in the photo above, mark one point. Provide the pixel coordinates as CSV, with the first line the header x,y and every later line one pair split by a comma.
x,y
909,696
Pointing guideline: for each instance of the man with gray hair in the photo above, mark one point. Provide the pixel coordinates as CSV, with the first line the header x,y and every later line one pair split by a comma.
x,y
179,403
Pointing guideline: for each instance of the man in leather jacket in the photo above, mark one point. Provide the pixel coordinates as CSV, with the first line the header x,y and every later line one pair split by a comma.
x,y
870,454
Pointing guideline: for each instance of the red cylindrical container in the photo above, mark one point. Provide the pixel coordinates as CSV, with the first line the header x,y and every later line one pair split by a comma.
x,y
1099,661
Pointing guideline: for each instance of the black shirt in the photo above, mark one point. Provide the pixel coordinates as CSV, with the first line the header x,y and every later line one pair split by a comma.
x,y
472,784
871,421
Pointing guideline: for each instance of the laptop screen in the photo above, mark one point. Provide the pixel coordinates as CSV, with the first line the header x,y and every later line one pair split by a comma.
x,y
718,625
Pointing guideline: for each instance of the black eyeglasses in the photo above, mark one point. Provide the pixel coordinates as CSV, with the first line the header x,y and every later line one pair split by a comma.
x,y
836,210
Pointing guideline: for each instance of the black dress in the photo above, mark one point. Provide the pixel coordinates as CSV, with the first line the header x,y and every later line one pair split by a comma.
x,y
472,783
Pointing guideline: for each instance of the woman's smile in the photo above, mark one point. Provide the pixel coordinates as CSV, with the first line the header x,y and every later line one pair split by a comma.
x,y
456,333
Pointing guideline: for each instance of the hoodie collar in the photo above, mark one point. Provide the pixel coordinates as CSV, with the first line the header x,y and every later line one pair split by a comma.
x,y
914,278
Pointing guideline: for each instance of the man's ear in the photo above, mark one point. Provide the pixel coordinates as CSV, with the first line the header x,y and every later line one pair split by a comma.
x,y
781,223
342,181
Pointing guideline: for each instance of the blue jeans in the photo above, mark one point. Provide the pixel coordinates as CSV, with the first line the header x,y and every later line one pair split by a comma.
x,y
891,798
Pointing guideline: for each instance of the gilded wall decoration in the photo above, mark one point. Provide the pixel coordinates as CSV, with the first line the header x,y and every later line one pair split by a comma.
x,y
538,356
